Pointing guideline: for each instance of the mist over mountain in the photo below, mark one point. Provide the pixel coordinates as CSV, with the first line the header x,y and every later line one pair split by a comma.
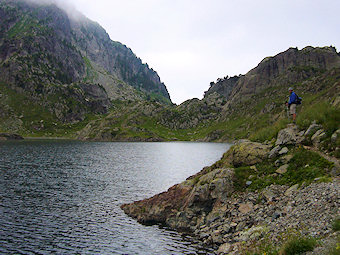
x,y
49,54
61,75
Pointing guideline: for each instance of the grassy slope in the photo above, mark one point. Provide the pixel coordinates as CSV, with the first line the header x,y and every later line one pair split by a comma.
x,y
29,118
259,118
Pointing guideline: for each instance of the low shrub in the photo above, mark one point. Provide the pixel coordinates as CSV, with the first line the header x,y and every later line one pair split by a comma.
x,y
336,224
298,245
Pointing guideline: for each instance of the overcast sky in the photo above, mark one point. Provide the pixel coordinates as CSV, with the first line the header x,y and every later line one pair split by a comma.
x,y
193,42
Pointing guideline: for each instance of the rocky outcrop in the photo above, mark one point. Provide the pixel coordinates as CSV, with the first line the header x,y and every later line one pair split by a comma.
x,y
288,67
189,201
312,129
318,137
211,204
223,87
288,135
247,153
7,136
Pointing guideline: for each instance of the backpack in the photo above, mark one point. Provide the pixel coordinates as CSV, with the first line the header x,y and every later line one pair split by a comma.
x,y
298,100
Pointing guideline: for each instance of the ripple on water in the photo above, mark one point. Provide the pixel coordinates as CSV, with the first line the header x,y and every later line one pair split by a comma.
x,y
64,197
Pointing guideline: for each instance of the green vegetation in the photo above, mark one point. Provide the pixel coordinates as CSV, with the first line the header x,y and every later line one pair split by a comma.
x,y
258,117
35,118
335,248
91,74
323,113
336,224
304,167
291,242
298,245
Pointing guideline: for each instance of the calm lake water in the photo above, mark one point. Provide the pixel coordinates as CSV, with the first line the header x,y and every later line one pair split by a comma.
x,y
64,197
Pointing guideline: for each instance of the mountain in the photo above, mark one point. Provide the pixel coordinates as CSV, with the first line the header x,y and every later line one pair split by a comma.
x,y
288,67
66,65
259,196
61,75
245,106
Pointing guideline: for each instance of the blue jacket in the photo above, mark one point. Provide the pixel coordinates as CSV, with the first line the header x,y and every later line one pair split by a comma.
x,y
292,98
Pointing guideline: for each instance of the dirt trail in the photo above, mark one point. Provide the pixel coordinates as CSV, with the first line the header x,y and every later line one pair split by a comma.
x,y
329,158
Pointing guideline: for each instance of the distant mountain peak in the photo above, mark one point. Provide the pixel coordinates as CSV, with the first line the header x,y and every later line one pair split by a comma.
x,y
288,67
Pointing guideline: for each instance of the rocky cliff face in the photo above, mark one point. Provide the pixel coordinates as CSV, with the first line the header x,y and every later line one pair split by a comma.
x,y
284,69
44,53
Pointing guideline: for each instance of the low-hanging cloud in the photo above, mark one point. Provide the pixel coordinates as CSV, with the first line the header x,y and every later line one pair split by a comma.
x,y
65,5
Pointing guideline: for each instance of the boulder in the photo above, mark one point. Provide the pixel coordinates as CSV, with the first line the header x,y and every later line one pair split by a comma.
x,y
268,194
225,249
318,137
274,152
335,136
290,191
282,169
288,135
247,153
312,129
285,159
245,208
283,151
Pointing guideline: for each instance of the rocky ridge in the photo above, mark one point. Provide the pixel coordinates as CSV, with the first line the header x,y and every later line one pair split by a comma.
x,y
65,64
255,193
288,67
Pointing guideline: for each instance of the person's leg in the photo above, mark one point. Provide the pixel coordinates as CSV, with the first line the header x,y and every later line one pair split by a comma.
x,y
293,111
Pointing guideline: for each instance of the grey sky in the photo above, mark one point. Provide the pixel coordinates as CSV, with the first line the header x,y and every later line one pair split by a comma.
x,y
193,42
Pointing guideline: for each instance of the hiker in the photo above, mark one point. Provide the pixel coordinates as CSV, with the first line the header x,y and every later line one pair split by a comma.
x,y
292,102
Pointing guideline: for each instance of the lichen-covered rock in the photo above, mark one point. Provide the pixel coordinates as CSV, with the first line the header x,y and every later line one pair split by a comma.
x,y
282,169
288,135
274,152
335,136
247,153
185,205
283,151
318,137
312,129
207,204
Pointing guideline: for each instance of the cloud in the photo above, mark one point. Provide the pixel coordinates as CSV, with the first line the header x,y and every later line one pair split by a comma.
x,y
192,42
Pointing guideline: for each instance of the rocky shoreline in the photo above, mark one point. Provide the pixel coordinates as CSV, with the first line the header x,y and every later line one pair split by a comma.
x,y
8,136
256,195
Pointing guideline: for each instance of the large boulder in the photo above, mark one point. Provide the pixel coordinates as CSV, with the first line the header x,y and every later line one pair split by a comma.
x,y
289,135
318,137
335,136
247,153
312,129
185,204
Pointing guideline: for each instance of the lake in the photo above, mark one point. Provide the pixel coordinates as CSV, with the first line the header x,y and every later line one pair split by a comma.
x,y
64,197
